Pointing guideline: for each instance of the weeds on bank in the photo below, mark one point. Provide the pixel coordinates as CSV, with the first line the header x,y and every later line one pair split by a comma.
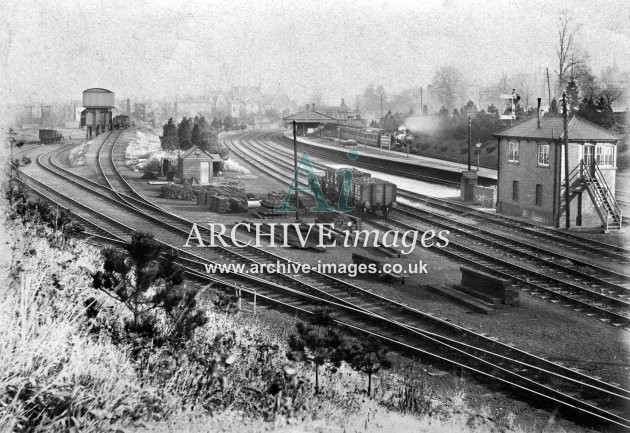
x,y
70,361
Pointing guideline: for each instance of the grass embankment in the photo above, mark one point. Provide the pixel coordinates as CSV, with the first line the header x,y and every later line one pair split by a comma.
x,y
63,369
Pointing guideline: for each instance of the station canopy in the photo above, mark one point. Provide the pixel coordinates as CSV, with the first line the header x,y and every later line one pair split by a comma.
x,y
311,116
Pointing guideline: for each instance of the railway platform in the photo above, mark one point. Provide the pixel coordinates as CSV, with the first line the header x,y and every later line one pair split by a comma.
x,y
431,167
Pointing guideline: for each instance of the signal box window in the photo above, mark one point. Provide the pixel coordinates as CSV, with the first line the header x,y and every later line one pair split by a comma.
x,y
543,155
515,194
605,156
513,151
539,195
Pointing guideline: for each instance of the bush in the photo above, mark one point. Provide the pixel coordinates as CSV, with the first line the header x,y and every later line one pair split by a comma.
x,y
150,175
490,149
152,165
443,148
53,377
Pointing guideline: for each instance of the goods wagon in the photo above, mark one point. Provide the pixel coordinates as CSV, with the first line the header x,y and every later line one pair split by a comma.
x,y
121,121
47,136
365,193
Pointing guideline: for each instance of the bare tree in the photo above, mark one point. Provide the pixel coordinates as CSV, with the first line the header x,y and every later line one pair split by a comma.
x,y
570,58
526,86
449,86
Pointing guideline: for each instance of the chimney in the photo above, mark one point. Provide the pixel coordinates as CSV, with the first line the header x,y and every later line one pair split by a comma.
x,y
538,112
313,105
343,102
308,107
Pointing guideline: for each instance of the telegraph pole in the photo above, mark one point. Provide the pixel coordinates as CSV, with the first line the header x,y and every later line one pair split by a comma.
x,y
565,118
549,88
469,136
381,107
295,163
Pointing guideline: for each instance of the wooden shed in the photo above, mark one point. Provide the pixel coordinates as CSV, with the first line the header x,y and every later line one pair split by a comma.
x,y
199,164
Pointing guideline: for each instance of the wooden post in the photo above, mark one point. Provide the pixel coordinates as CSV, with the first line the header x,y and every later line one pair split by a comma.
x,y
565,117
469,139
295,163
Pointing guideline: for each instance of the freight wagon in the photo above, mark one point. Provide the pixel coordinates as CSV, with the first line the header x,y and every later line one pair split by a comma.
x,y
47,136
365,193
121,121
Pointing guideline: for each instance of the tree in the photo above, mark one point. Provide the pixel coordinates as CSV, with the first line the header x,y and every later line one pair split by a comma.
x,y
470,109
202,122
133,278
318,342
195,135
569,56
184,134
573,98
168,139
209,142
369,357
493,111
228,123
527,85
448,86
216,124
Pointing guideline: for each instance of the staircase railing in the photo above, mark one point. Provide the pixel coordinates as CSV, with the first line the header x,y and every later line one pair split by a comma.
x,y
591,186
609,194
603,199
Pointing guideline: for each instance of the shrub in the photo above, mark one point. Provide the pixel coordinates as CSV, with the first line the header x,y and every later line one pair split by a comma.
x,y
490,149
153,165
443,148
147,289
150,175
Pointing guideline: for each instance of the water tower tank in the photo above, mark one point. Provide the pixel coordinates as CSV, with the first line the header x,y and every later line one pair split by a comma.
x,y
98,98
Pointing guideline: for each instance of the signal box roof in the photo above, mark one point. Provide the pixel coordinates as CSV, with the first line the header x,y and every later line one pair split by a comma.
x,y
552,127
311,116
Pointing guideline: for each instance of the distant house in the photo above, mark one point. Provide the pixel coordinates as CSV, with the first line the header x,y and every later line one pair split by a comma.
x,y
221,106
338,112
531,172
199,165
237,109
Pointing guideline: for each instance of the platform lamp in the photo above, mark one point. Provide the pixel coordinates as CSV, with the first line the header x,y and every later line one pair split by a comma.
x,y
478,146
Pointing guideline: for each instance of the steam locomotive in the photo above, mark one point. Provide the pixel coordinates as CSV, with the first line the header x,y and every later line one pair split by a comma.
x,y
376,137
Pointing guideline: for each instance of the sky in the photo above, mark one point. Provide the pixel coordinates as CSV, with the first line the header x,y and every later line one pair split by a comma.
x,y
52,51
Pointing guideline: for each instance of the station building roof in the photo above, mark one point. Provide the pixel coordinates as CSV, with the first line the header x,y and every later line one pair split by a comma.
x,y
311,116
552,127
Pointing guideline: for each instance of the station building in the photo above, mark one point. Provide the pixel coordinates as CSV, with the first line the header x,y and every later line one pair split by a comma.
x,y
199,165
97,115
309,122
531,173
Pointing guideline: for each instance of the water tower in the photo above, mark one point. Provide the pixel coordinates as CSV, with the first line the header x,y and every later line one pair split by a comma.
x,y
97,116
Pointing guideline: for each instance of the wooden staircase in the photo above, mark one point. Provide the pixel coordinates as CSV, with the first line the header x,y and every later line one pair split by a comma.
x,y
602,197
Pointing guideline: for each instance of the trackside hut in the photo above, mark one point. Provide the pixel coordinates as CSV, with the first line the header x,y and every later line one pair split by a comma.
x,y
531,172
199,165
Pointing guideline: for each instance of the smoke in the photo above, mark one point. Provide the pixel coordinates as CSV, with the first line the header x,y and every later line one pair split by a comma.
x,y
422,124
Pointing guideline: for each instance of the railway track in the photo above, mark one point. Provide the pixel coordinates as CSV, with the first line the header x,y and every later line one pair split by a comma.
x,y
366,312
583,286
572,242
